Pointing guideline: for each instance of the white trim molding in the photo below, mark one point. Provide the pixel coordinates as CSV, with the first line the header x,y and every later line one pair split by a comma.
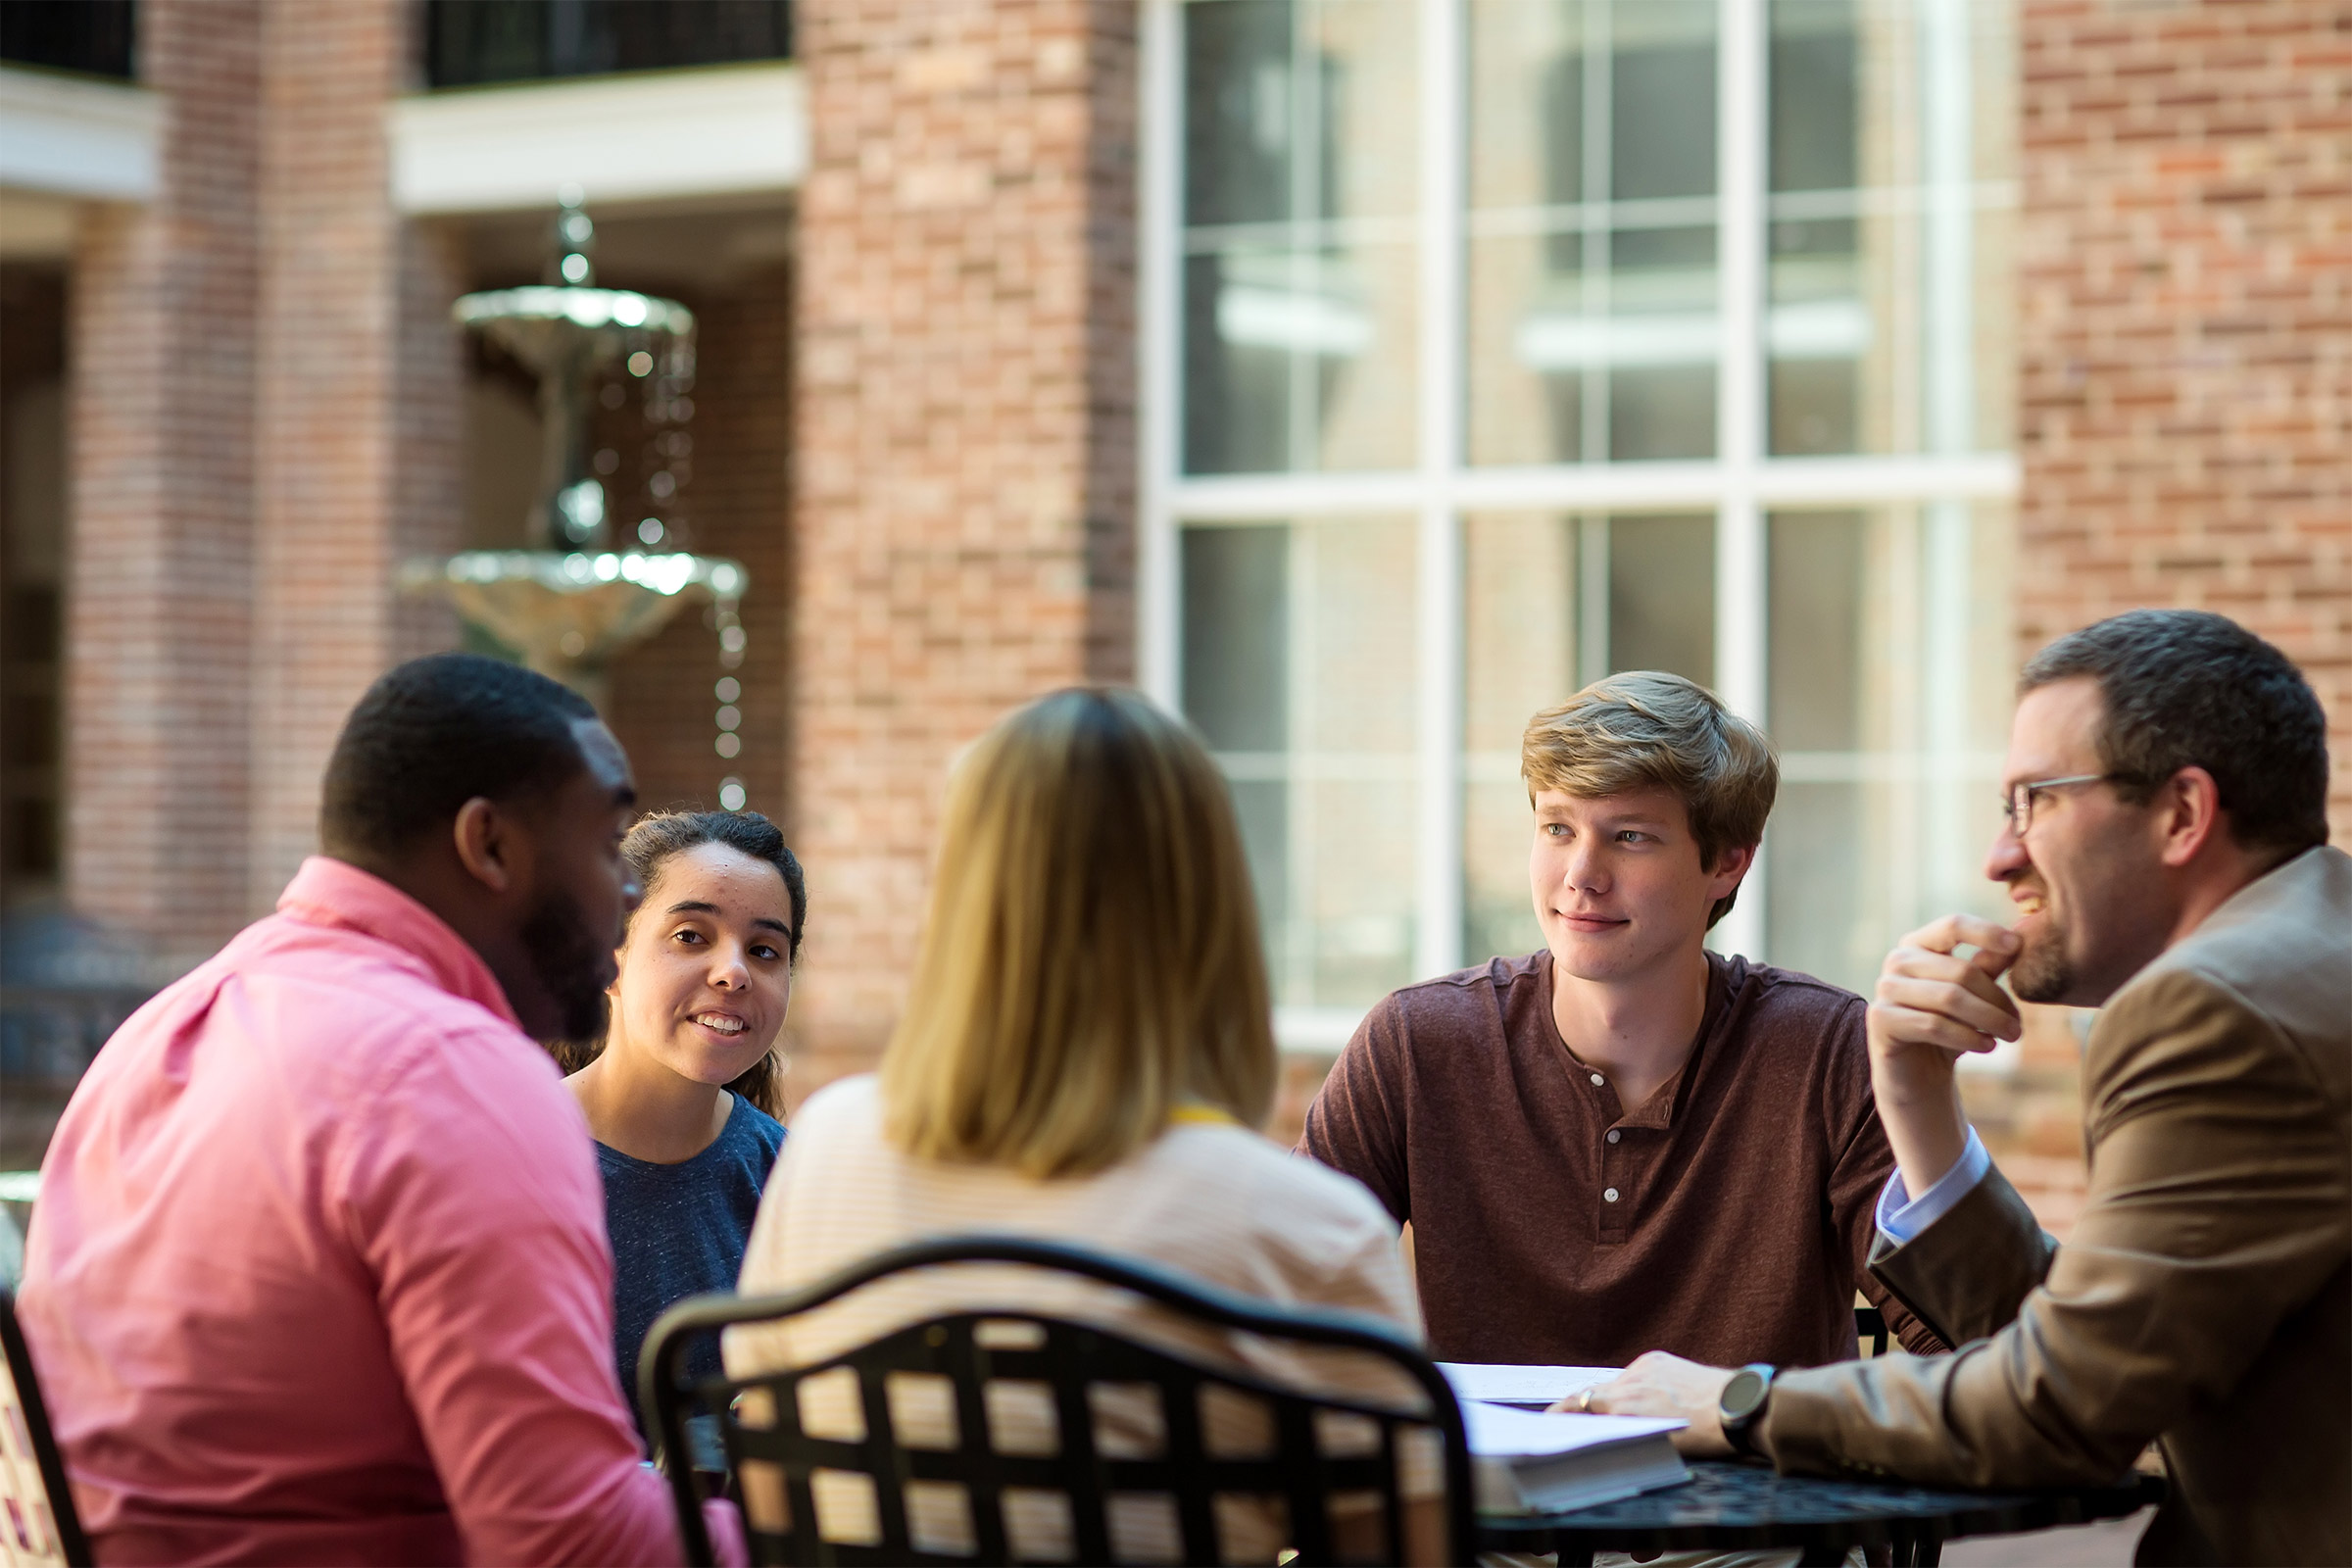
x,y
1773,483
705,131
89,140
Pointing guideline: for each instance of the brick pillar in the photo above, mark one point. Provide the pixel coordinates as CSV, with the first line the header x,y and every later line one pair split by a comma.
x,y
158,580
2187,327
964,437
356,417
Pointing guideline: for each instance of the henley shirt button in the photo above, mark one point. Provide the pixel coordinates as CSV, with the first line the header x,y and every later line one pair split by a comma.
x,y
1613,1135
1598,1080
1610,1196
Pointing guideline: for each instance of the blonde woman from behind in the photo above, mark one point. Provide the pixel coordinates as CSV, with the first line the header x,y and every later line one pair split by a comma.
x,y
1085,1057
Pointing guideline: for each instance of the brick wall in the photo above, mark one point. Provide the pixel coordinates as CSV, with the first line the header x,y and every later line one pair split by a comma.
x,y
159,579
964,437
2185,297
359,393
266,396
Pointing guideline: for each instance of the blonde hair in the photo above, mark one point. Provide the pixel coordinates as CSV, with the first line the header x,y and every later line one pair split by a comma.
x,y
1647,729
1091,954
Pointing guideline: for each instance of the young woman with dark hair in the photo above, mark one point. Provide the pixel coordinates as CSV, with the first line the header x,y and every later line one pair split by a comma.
x,y
683,1092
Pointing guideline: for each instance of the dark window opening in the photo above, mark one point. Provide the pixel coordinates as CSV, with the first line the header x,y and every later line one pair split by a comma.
x,y
468,43
91,37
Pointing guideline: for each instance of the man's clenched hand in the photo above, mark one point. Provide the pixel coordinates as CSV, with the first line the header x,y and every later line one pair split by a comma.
x,y
1934,1007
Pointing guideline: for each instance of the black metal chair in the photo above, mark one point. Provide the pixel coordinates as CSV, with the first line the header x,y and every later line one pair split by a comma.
x,y
38,1521
1323,1447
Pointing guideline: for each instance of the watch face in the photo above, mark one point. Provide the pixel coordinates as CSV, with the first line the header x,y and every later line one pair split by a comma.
x,y
1742,1394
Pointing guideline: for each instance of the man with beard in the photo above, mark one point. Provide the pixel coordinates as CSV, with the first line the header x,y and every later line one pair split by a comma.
x,y
2166,789
319,1272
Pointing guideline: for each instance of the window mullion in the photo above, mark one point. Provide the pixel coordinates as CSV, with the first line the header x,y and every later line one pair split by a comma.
x,y
1740,579
1944,58
1159,248
1438,924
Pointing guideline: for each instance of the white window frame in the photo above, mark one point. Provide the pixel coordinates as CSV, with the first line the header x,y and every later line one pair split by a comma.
x,y
1739,485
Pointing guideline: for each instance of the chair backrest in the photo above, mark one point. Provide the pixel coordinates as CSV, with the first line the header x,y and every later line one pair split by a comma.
x,y
38,1521
1090,1484
1870,1328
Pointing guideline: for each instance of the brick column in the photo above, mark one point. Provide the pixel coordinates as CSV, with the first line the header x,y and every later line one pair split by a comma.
x,y
356,417
2186,325
159,578
964,446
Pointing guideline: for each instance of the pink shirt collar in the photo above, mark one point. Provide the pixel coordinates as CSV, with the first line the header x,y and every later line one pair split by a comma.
x,y
337,895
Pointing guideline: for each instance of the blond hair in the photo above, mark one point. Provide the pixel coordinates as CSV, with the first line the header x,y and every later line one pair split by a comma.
x,y
1090,959
1647,729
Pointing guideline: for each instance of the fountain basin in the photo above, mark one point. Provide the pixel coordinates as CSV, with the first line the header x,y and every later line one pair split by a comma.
x,y
568,614
546,326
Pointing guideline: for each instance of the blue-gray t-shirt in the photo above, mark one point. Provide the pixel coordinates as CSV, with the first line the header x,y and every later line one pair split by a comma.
x,y
678,1230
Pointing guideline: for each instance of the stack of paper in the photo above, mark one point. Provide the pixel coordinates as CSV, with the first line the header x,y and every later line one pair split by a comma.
x,y
1525,1462
1533,1388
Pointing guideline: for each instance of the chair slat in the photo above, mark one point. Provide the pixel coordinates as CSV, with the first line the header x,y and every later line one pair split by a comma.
x,y
1069,1359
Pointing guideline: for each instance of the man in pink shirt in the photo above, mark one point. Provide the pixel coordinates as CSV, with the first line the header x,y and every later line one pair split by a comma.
x,y
320,1270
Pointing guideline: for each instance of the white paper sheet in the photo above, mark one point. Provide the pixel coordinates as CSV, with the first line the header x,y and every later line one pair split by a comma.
x,y
1534,1387
1498,1431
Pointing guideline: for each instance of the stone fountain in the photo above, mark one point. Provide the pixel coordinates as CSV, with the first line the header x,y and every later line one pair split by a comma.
x,y
568,606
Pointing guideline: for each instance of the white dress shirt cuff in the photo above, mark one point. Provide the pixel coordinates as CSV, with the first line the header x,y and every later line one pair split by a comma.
x,y
1902,1217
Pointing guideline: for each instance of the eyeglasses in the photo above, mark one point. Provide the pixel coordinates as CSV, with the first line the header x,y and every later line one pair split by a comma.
x,y
2018,805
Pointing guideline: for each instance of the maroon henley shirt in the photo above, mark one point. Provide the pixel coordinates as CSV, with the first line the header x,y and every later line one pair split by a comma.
x,y
1729,1218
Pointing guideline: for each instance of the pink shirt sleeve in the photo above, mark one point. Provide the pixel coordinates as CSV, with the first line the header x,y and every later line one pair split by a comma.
x,y
471,1196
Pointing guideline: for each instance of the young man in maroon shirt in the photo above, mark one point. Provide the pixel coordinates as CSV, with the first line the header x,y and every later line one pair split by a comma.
x,y
1625,1142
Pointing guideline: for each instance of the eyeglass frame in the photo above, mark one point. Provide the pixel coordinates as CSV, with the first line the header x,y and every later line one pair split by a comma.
x,y
2016,806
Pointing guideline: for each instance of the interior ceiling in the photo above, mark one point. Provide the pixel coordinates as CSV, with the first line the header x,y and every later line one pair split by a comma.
x,y
692,248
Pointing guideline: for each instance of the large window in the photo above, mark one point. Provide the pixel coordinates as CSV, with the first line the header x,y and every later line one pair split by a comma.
x,y
1492,346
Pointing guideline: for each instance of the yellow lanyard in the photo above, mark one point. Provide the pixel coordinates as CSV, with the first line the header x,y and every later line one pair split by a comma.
x,y
1192,1110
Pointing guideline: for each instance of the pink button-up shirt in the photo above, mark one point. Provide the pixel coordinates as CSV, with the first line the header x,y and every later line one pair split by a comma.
x,y
318,1272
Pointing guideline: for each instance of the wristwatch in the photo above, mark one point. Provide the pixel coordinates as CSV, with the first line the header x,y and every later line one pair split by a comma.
x,y
1742,1402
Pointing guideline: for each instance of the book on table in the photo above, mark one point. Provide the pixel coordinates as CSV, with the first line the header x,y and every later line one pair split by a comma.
x,y
1523,1462
1530,1388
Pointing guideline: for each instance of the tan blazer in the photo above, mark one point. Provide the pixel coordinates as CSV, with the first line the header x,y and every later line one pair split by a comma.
x,y
2205,1300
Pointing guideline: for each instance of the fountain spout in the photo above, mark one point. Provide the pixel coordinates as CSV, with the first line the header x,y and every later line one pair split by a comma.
x,y
572,334
569,606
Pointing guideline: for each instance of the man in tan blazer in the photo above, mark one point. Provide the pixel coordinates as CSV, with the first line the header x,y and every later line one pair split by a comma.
x,y
2166,849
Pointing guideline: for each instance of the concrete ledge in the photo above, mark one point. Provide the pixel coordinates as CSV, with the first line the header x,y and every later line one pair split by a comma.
x,y
67,136
710,130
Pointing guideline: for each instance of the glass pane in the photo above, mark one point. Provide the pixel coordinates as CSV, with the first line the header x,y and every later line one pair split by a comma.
x,y
1891,657
1300,159
1521,656
1662,594
1298,665
1591,286
1817,569
1888,322
1552,604
1236,646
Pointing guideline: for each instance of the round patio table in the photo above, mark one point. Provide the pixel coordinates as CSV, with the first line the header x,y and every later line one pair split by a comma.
x,y
1732,1506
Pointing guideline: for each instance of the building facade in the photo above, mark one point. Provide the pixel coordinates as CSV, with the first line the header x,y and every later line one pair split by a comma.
x,y
1355,376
